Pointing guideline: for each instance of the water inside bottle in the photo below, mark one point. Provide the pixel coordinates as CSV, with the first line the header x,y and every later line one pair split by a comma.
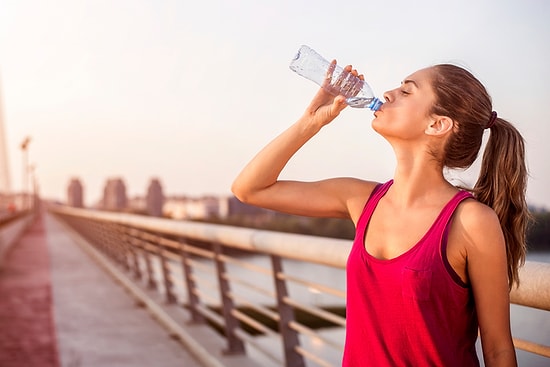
x,y
359,102
373,103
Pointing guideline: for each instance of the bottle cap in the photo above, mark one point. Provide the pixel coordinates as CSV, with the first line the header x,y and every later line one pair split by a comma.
x,y
375,104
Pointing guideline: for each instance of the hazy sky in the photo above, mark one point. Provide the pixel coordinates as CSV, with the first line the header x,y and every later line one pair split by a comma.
x,y
189,91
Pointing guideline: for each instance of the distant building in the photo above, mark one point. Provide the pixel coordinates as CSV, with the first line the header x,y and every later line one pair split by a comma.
x,y
207,207
136,204
174,207
114,195
154,198
75,193
203,208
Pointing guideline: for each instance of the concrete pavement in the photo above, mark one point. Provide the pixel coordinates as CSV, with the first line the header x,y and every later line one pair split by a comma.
x,y
27,330
59,308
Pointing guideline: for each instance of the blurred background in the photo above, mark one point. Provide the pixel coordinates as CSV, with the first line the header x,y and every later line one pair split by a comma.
x,y
187,92
153,107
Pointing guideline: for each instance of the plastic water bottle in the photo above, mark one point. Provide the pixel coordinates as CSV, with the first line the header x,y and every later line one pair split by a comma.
x,y
337,81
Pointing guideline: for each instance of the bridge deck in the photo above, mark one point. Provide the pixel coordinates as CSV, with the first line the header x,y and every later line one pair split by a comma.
x,y
57,307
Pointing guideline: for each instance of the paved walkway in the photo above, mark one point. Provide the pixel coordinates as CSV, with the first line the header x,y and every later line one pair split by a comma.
x,y
58,308
27,330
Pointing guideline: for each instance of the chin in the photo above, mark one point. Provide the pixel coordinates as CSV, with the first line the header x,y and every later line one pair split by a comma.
x,y
377,125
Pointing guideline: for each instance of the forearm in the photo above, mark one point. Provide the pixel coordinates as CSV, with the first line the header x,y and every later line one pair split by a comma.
x,y
264,169
256,184
503,358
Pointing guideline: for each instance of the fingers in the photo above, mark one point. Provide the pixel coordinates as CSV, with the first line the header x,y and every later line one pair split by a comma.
x,y
326,106
344,83
329,113
339,104
353,71
347,69
325,114
329,73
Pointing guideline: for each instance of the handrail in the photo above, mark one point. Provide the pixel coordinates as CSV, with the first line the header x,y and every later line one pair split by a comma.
x,y
320,250
149,248
11,227
534,290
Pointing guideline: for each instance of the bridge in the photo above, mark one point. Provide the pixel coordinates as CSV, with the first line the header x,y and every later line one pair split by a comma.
x,y
130,290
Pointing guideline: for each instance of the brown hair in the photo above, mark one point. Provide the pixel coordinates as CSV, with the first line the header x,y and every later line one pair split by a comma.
x,y
502,179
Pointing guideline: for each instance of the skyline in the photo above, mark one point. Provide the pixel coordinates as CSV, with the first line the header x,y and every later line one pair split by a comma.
x,y
189,92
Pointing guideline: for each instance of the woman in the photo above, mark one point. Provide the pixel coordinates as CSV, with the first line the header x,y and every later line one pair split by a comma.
x,y
430,263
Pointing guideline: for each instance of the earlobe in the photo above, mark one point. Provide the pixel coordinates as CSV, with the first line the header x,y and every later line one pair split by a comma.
x,y
440,126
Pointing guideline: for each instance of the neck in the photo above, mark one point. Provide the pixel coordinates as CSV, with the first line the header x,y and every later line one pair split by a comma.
x,y
418,178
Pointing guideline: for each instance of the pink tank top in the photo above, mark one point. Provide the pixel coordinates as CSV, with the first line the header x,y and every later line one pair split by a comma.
x,y
412,310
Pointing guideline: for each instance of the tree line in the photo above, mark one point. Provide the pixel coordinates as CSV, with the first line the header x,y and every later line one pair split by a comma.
x,y
538,234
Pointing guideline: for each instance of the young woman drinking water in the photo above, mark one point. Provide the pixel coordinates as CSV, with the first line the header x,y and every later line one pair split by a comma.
x,y
431,263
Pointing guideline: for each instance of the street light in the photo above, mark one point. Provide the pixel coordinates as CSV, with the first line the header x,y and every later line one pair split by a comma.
x,y
24,184
33,190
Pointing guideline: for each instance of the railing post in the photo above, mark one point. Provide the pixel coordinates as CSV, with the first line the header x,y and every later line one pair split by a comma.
x,y
126,249
135,257
286,316
192,297
168,284
115,243
121,246
151,284
104,239
234,344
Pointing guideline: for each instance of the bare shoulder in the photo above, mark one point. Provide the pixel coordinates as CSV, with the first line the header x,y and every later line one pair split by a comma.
x,y
358,192
473,213
477,224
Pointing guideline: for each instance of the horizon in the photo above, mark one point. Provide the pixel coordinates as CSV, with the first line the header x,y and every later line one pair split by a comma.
x,y
142,195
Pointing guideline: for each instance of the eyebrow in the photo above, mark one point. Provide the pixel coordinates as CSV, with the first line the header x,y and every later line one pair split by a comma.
x,y
409,81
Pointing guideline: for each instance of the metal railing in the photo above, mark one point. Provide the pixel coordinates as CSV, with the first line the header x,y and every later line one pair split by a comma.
x,y
12,225
250,284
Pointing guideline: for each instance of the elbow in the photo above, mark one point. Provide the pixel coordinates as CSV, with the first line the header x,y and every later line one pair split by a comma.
x,y
239,191
248,191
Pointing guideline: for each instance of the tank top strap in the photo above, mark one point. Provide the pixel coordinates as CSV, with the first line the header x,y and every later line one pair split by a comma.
x,y
439,228
443,226
449,209
377,193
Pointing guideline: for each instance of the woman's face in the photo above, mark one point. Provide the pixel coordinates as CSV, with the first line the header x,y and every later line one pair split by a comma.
x,y
406,112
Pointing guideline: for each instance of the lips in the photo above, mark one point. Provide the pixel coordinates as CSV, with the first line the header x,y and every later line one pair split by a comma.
x,y
381,109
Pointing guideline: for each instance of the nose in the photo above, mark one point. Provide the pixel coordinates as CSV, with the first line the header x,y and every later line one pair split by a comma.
x,y
387,95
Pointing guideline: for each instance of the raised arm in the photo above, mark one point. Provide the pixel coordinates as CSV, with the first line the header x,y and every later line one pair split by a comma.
x,y
258,183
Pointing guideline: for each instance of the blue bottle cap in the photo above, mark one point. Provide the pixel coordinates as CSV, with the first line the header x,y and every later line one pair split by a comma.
x,y
375,104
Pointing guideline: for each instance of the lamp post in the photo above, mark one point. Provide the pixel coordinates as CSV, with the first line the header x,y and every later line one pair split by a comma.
x,y
24,184
33,191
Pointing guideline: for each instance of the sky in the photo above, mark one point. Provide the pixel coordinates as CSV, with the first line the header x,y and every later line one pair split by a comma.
x,y
189,91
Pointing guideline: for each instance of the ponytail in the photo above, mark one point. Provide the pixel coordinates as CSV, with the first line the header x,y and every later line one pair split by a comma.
x,y
502,185
503,177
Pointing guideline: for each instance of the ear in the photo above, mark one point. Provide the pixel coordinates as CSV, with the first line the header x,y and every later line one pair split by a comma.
x,y
440,126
